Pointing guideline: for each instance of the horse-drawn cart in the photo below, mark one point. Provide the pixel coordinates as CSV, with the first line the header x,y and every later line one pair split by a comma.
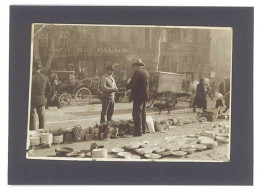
x,y
166,86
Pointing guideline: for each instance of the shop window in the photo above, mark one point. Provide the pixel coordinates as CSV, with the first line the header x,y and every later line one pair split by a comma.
x,y
173,64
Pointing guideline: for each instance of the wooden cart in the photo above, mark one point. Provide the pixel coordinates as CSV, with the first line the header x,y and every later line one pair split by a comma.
x,y
166,86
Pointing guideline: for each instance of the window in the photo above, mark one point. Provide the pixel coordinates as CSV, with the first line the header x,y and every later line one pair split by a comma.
x,y
170,35
165,64
111,34
187,35
63,38
185,59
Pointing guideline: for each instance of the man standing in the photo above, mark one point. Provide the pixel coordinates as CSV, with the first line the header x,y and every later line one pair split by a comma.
x,y
108,89
227,101
40,89
139,85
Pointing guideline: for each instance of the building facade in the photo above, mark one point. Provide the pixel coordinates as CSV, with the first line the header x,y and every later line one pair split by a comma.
x,y
88,49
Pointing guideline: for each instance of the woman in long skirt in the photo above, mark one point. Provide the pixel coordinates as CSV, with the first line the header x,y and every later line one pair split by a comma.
x,y
200,98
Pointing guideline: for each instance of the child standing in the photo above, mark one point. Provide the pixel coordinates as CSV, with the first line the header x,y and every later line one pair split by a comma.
x,y
219,103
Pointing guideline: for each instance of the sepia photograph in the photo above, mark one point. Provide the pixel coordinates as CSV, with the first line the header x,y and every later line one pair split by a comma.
x,y
130,93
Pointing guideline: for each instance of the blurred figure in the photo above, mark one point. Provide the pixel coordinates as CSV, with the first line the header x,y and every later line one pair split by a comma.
x,y
219,103
53,100
227,101
184,84
200,98
188,85
40,91
213,87
193,86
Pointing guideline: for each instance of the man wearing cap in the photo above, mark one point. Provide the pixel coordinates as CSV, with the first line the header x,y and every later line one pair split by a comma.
x,y
108,89
139,85
40,90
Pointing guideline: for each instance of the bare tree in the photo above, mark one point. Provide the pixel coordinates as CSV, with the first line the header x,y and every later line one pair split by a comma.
x,y
52,34
157,46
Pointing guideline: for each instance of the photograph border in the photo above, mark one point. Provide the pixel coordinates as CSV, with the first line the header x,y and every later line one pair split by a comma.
x,y
239,171
33,33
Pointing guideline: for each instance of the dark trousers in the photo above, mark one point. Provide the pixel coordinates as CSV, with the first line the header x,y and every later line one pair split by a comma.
x,y
139,116
107,109
37,112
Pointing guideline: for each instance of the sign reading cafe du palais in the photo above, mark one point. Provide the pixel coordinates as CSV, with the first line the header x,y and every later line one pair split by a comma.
x,y
86,50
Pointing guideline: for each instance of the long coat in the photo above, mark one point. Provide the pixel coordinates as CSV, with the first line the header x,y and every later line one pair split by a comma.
x,y
200,98
41,89
139,85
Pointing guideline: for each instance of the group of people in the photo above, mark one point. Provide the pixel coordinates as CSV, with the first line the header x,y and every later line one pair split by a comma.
x,y
41,89
185,84
200,100
139,86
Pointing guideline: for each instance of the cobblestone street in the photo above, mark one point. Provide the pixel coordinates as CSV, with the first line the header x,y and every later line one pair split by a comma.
x,y
85,116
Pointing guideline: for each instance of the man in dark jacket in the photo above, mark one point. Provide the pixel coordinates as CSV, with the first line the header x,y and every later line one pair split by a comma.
x,y
40,89
139,85
200,98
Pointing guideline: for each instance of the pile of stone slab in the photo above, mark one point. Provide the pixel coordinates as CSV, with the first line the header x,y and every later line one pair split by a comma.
x,y
177,146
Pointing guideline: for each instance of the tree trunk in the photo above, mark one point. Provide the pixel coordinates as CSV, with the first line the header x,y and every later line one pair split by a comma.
x,y
157,48
51,54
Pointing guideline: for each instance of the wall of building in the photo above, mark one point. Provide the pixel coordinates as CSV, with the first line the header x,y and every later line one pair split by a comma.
x,y
88,49
221,54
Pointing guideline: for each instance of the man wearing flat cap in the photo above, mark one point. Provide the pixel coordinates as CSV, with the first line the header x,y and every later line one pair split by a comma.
x,y
139,85
108,89
40,90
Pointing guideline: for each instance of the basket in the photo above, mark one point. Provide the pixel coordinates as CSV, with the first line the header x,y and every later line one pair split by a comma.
x,y
58,139
159,127
46,138
35,141
99,153
208,115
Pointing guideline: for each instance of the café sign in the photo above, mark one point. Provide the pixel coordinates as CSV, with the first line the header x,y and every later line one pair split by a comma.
x,y
87,50
112,50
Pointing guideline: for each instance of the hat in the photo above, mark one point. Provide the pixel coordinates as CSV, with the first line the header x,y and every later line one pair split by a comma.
x,y
219,95
110,67
37,65
138,62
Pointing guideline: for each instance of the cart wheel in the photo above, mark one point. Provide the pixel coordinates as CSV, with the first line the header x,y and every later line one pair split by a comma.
x,y
167,95
83,96
64,99
151,100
